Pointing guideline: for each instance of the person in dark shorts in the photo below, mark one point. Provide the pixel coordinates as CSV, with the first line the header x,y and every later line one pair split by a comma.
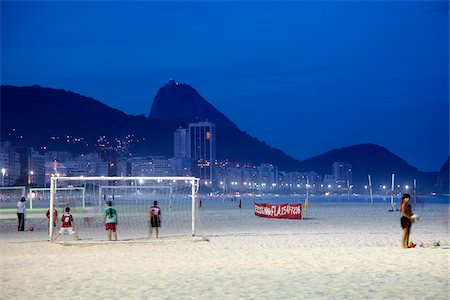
x,y
110,220
406,220
155,218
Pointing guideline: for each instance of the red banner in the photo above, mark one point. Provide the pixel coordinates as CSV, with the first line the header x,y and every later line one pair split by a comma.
x,y
282,211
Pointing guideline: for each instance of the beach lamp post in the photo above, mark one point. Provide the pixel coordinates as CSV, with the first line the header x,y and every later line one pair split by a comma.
x,y
3,176
31,177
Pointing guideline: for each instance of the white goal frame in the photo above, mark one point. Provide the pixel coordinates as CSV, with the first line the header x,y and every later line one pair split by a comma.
x,y
195,184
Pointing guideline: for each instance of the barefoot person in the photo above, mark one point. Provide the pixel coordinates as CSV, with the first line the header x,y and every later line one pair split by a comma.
x,y
406,220
110,220
155,218
67,224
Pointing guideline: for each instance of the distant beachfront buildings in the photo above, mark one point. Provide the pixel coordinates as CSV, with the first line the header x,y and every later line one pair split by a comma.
x,y
194,155
202,150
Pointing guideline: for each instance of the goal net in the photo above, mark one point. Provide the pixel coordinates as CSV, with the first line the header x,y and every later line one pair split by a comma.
x,y
132,198
10,195
40,197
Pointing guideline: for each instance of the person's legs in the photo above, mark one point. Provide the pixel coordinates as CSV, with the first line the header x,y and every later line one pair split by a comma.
x,y
115,234
157,231
59,233
109,234
408,231
21,222
75,235
404,245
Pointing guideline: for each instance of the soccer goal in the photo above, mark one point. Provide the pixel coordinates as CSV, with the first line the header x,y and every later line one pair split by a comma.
x,y
132,198
10,195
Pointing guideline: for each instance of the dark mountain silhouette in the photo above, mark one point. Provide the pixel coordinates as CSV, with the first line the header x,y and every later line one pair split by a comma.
x,y
180,102
371,159
443,180
31,116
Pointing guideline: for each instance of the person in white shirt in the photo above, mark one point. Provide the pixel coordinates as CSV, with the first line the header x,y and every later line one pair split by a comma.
x,y
21,214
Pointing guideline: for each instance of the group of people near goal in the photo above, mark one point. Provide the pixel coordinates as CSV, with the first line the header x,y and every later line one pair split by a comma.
x,y
110,220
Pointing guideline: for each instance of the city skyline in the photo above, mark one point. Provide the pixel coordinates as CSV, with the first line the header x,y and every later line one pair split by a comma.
x,y
303,77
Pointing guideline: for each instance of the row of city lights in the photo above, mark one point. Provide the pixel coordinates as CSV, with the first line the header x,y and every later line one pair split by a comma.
x,y
233,183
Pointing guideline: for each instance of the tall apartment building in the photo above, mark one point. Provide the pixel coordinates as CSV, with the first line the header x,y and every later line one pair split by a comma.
x,y
32,167
181,143
342,172
202,150
9,164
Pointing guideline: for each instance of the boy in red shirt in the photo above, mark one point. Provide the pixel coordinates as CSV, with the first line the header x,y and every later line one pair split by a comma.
x,y
67,224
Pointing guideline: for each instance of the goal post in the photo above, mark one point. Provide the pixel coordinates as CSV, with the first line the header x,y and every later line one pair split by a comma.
x,y
132,197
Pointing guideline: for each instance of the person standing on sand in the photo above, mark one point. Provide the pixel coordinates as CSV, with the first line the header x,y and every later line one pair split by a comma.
x,y
67,224
21,208
406,220
110,220
155,218
55,217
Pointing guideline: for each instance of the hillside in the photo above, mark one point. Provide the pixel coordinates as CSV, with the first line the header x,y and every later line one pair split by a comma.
x,y
371,159
180,102
54,119
31,116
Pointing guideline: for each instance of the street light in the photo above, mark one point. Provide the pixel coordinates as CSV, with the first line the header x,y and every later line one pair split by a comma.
x,y
31,177
3,176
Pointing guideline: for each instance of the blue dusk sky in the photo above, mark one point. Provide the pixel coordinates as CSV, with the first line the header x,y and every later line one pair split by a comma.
x,y
303,76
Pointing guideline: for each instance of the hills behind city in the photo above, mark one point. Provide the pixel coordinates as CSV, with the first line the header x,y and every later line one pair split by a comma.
x,y
54,119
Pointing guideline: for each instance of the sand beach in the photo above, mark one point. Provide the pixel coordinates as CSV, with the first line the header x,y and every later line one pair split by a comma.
x,y
340,250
